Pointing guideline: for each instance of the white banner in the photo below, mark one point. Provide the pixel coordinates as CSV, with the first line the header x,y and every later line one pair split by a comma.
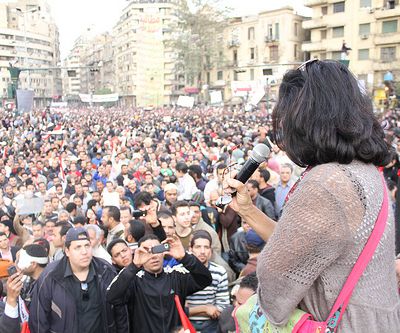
x,y
185,101
215,97
87,98
25,100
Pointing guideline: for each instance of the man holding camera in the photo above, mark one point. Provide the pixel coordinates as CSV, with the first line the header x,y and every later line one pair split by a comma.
x,y
151,290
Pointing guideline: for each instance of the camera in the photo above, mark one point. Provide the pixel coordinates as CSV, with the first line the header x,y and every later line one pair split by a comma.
x,y
139,213
223,201
160,248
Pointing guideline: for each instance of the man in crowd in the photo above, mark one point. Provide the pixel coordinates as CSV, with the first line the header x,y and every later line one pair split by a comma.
x,y
171,195
111,218
33,259
283,187
121,254
60,232
148,288
6,251
69,296
96,236
260,202
187,187
206,305
183,221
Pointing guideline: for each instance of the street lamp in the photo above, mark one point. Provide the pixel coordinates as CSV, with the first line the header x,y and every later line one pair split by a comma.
x,y
23,12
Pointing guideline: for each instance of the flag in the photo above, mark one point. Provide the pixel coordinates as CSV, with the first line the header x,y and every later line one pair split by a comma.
x,y
56,131
186,324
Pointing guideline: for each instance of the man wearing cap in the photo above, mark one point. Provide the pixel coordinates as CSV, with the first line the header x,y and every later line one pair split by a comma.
x,y
171,195
70,294
254,245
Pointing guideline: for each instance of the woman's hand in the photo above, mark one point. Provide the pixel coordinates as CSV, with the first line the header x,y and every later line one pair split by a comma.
x,y
241,202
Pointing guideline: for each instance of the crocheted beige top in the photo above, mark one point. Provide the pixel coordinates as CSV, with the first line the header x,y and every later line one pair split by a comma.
x,y
317,241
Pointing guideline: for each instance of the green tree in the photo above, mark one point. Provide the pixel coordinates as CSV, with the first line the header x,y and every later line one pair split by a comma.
x,y
198,38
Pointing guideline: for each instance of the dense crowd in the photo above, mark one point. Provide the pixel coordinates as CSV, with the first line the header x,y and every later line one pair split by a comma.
x,y
86,194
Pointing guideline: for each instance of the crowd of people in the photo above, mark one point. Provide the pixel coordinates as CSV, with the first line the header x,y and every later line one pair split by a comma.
x,y
111,221
87,193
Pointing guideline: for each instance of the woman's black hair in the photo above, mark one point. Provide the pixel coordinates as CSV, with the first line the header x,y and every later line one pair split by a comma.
x,y
322,116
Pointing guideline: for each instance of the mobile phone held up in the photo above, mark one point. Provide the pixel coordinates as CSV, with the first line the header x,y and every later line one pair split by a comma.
x,y
160,248
11,270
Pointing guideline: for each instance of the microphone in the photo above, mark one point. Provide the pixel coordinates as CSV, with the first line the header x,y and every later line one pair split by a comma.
x,y
259,155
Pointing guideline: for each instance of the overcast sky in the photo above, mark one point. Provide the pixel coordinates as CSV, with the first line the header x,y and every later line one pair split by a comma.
x,y
75,16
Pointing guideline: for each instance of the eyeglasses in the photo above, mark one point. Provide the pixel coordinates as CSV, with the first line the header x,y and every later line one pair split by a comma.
x,y
85,291
304,65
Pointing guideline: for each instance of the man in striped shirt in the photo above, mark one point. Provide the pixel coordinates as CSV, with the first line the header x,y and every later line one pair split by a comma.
x,y
206,305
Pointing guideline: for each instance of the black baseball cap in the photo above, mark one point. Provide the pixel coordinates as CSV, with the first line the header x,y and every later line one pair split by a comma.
x,y
75,234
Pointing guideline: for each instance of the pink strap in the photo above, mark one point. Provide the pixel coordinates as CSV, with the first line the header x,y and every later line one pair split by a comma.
x,y
362,262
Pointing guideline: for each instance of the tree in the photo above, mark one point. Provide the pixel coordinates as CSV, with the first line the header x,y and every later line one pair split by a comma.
x,y
198,38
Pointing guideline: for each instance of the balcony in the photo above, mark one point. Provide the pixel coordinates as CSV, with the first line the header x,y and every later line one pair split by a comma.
x,y
314,46
314,23
311,3
233,43
379,65
271,40
388,38
387,13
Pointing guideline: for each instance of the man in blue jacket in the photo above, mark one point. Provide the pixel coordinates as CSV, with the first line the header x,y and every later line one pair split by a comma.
x,y
70,294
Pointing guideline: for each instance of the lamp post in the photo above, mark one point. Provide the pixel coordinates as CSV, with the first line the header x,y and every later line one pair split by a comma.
x,y
23,13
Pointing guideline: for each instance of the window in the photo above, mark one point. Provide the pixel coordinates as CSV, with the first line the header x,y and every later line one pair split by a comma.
x,y
252,54
365,3
337,32
277,31
388,53
208,78
363,54
295,51
250,33
322,56
273,52
296,29
323,34
270,34
337,55
391,4
364,29
267,71
235,76
389,26
235,56
220,75
251,74
338,7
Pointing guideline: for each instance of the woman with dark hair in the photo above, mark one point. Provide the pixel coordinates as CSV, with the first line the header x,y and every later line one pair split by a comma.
x,y
325,123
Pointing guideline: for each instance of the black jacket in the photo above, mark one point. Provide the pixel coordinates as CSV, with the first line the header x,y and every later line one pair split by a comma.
x,y
8,324
238,254
151,296
53,308
14,250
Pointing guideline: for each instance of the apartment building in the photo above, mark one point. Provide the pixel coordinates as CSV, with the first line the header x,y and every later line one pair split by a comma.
x,y
258,50
29,39
144,65
369,27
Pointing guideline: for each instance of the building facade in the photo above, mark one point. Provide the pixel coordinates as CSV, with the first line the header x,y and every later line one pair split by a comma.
x,y
144,65
29,39
258,50
369,27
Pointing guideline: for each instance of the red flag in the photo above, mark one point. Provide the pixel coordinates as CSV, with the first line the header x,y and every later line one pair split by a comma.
x,y
186,324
